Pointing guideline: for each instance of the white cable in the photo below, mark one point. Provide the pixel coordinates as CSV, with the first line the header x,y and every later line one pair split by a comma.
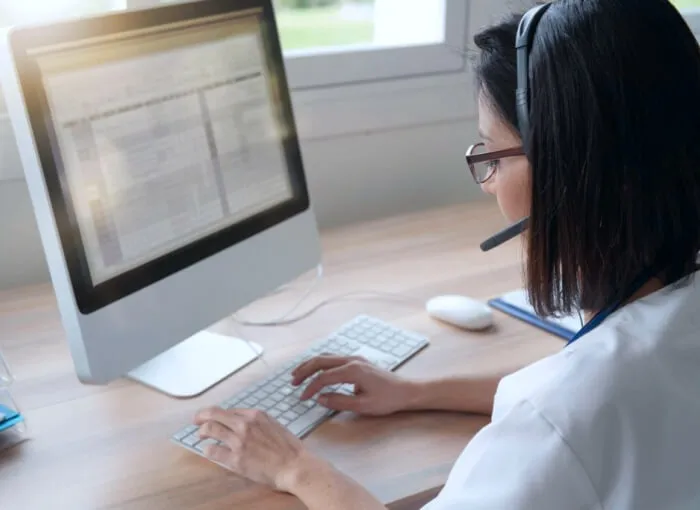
x,y
285,319
261,356
291,320
314,283
304,297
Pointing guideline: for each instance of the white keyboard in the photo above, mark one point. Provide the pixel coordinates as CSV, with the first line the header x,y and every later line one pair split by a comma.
x,y
384,345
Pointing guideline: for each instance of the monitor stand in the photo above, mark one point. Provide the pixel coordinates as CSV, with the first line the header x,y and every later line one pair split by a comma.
x,y
196,364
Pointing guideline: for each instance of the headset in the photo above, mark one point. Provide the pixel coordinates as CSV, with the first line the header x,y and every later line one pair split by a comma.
x,y
523,46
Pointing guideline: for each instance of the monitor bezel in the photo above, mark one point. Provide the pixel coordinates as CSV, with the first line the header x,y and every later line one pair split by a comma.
x,y
92,297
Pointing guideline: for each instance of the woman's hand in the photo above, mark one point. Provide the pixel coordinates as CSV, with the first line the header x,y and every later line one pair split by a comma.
x,y
254,446
257,447
377,392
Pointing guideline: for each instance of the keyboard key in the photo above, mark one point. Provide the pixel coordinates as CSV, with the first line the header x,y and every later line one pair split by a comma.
x,y
401,350
191,440
277,397
346,389
276,385
179,436
267,404
275,413
230,404
308,419
299,409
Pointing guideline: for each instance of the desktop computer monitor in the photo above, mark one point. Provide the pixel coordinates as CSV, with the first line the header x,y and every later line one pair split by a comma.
x,y
162,160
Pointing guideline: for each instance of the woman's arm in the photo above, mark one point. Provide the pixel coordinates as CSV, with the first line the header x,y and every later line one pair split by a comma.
x,y
378,392
321,487
462,394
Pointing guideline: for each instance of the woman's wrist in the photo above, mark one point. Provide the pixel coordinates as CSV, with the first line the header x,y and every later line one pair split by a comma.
x,y
306,467
471,395
417,395
319,485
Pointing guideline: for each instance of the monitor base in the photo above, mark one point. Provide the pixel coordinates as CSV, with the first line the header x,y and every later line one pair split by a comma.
x,y
196,364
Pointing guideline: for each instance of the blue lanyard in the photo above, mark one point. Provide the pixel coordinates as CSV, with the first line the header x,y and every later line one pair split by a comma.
x,y
606,312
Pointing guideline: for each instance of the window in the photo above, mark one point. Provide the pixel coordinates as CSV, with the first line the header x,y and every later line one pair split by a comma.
x,y
691,11
337,42
305,24
686,4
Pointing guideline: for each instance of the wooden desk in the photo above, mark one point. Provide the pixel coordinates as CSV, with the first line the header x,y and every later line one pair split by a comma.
x,y
107,447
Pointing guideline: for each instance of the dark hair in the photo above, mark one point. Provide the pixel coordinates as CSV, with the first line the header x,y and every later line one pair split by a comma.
x,y
614,148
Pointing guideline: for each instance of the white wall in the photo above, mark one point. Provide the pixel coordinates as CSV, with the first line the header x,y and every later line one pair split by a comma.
x,y
370,151
21,256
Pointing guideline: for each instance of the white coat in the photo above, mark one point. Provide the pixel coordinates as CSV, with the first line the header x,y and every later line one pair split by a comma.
x,y
610,422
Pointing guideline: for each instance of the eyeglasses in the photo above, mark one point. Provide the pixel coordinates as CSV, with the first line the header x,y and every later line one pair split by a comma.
x,y
482,164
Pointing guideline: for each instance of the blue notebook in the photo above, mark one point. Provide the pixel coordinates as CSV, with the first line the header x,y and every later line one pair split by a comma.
x,y
517,305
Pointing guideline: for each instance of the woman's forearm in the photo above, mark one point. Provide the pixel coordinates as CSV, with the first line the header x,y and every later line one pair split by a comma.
x,y
321,487
462,394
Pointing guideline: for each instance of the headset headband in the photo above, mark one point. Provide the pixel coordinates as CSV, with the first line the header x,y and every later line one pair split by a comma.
x,y
523,46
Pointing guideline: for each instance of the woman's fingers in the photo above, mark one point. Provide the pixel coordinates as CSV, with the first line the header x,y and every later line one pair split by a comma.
x,y
218,432
218,453
216,414
340,402
349,373
319,363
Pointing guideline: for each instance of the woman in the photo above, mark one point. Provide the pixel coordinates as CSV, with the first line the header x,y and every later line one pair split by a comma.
x,y
609,173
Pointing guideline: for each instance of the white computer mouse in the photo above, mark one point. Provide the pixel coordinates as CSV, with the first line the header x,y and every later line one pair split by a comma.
x,y
460,311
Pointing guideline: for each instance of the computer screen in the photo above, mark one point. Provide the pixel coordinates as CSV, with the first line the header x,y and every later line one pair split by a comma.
x,y
164,136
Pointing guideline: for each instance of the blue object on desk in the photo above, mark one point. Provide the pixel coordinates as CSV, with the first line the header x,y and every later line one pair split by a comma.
x,y
9,418
515,304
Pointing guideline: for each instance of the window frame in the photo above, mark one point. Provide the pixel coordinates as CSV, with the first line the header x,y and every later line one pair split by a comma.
x,y
332,67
